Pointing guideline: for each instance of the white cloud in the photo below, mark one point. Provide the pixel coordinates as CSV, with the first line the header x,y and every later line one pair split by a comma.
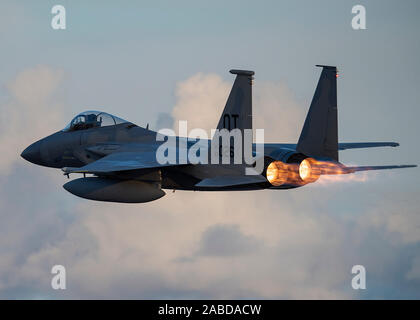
x,y
282,244
277,112
200,100
122,242
399,217
32,112
202,97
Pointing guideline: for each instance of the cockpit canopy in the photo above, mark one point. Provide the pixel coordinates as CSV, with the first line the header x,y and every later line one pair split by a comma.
x,y
93,119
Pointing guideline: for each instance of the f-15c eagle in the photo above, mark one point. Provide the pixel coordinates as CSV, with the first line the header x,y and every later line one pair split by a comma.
x,y
121,157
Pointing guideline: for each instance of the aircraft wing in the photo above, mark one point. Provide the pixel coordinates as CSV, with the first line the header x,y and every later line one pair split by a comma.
x,y
341,145
121,161
359,145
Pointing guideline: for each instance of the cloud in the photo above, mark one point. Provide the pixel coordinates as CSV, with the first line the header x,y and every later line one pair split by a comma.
x,y
135,251
277,111
32,109
31,112
258,244
202,97
200,100
400,218
213,245
226,240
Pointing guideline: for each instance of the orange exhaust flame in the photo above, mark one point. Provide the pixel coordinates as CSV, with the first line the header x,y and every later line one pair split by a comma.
x,y
277,173
309,171
330,168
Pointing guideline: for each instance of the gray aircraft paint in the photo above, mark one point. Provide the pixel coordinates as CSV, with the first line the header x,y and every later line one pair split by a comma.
x,y
122,157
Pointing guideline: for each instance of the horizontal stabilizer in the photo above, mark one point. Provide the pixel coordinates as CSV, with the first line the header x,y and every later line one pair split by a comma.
x,y
360,145
368,168
230,181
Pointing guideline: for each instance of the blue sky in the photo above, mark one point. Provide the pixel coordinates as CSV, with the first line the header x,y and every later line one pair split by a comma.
x,y
133,59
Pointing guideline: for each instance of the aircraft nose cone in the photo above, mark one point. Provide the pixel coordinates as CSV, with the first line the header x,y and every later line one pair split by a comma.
x,y
32,153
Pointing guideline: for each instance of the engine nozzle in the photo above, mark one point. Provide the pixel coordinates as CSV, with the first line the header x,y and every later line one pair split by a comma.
x,y
279,173
309,171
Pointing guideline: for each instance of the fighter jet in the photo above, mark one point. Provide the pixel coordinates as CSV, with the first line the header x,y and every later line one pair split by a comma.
x,y
119,163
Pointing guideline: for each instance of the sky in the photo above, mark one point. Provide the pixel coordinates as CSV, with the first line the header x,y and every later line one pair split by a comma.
x,y
166,61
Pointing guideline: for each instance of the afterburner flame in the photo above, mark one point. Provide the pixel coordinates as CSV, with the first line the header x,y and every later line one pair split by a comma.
x,y
304,170
277,173
309,170
330,168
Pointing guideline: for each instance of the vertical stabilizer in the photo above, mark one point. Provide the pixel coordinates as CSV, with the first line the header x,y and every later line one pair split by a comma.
x,y
319,136
236,118
238,109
